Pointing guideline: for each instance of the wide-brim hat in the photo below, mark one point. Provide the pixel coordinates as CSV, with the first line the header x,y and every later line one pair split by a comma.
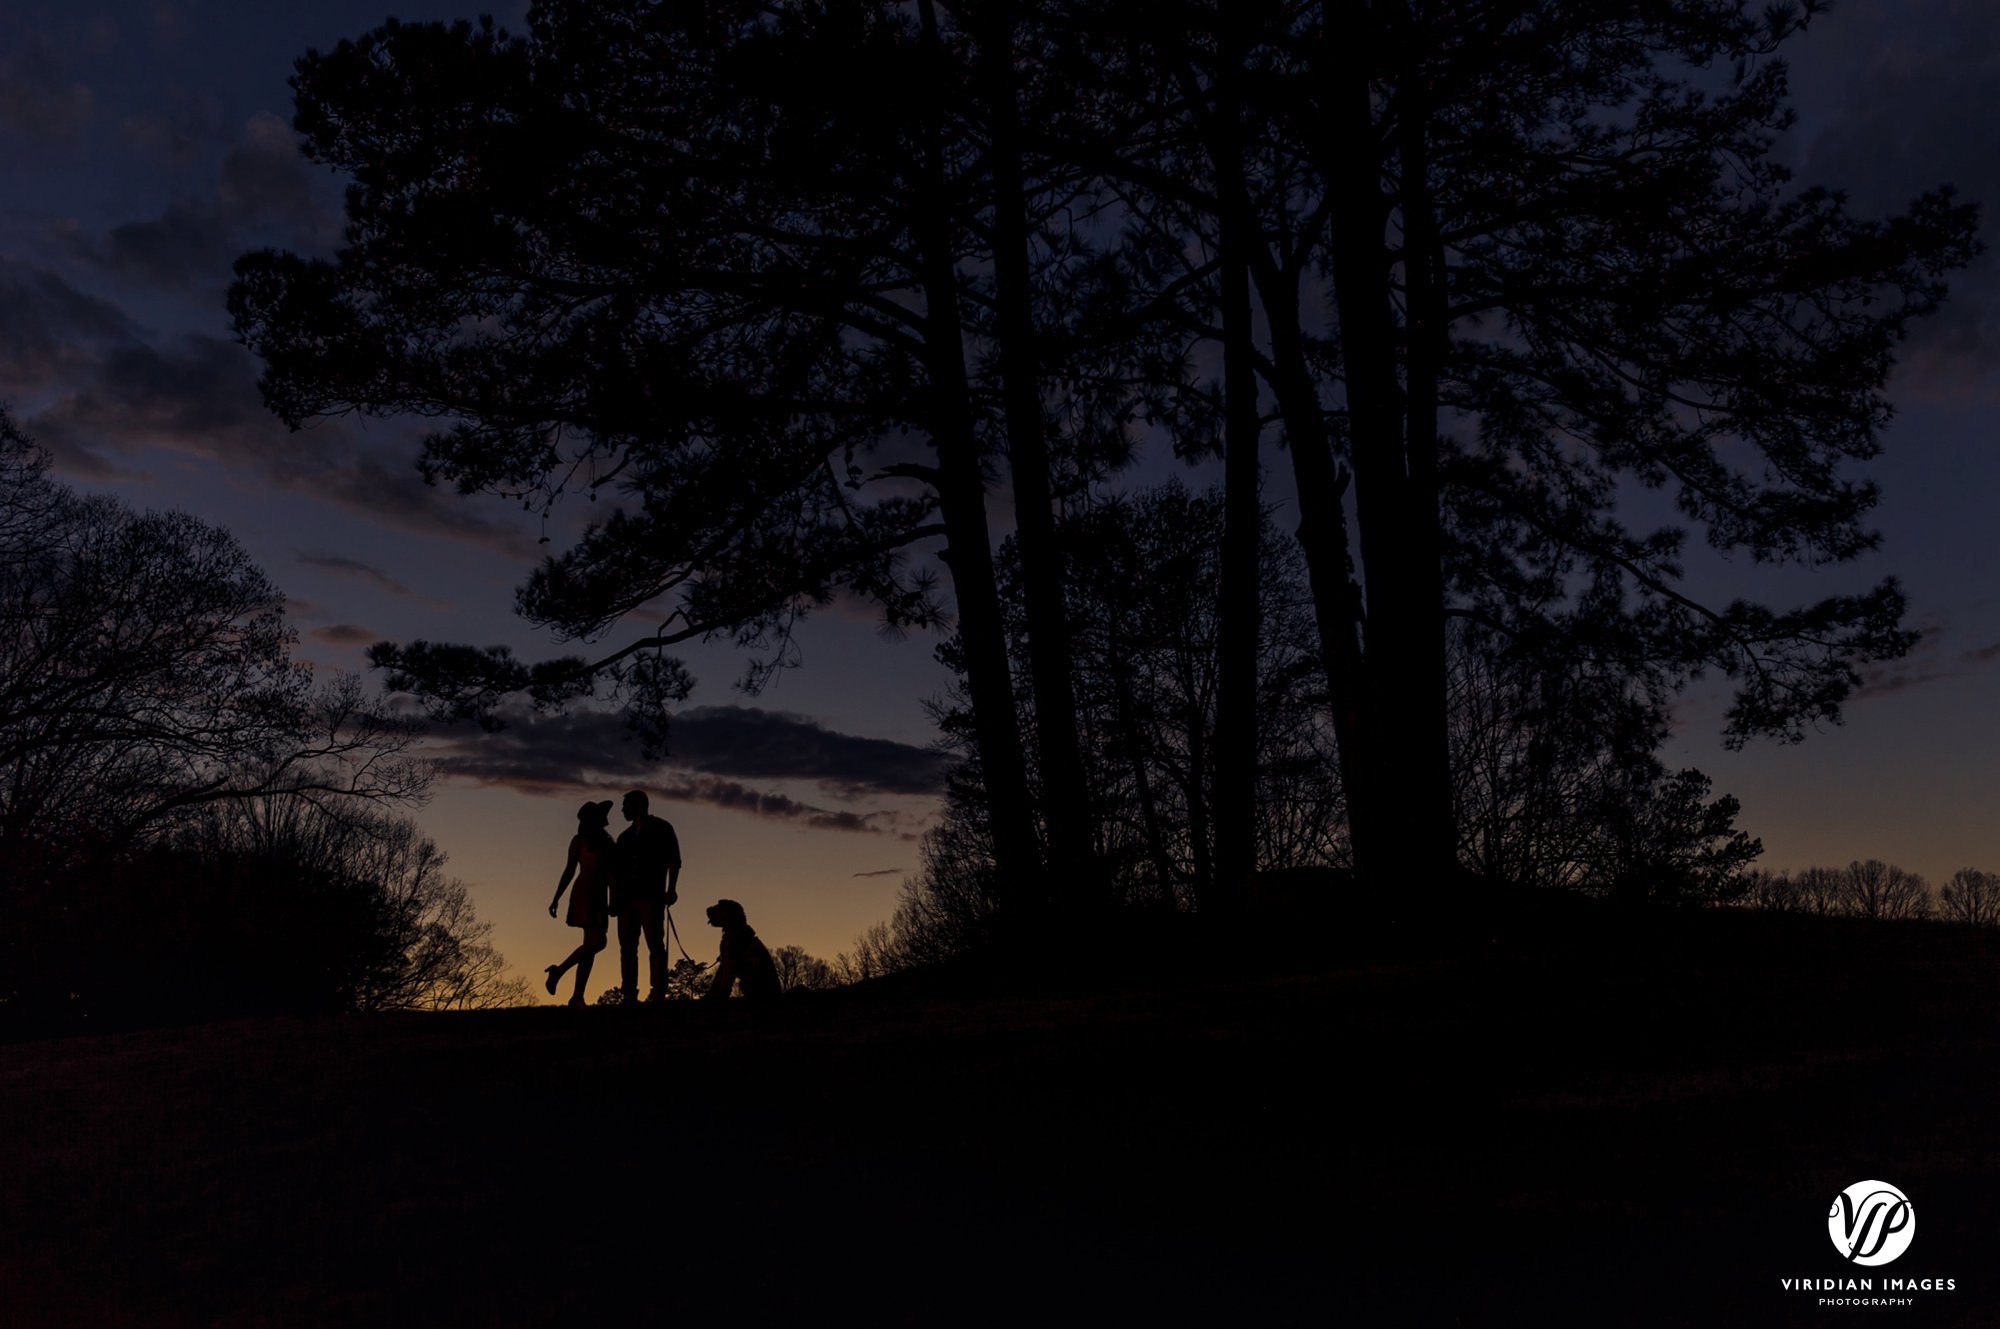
x,y
597,812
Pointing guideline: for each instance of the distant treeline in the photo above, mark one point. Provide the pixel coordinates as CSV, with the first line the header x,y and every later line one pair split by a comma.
x,y
1874,889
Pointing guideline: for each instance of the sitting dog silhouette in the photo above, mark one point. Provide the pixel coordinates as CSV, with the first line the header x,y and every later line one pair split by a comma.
x,y
744,959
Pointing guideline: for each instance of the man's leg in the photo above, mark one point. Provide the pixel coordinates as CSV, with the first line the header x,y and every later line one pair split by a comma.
x,y
628,952
654,917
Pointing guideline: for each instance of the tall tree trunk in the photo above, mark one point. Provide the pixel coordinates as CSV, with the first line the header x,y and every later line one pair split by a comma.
x,y
1240,620
1323,539
1401,707
1428,669
1066,807
962,504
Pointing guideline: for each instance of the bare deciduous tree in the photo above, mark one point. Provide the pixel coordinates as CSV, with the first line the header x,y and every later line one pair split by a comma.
x,y
423,946
1882,890
145,669
1823,891
173,783
800,971
876,952
1773,891
1971,896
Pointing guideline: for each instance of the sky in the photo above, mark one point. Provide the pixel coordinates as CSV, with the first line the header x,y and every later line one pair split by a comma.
x,y
144,145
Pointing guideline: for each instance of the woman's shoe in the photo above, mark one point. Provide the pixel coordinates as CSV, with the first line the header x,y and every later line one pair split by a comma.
x,y
555,976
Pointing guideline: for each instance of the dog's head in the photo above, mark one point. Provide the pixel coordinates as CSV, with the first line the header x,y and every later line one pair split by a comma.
x,y
726,914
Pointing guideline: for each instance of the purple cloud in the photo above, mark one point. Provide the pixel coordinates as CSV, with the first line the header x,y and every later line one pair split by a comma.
x,y
345,634
341,565
715,749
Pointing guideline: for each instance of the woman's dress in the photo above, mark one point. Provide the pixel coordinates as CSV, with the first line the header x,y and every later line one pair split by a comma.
x,y
590,892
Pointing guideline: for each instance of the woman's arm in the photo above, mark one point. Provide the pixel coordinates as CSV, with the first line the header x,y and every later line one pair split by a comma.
x,y
569,870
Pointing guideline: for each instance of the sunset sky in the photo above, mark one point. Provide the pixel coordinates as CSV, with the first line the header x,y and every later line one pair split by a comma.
x,y
144,145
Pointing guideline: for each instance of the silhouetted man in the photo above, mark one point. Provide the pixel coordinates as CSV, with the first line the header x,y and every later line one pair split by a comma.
x,y
649,870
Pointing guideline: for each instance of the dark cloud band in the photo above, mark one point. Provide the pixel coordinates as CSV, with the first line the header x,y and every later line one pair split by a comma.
x,y
746,743
346,634
713,750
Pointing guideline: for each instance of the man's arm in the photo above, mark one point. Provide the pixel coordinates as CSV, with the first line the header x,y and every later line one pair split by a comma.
x,y
670,844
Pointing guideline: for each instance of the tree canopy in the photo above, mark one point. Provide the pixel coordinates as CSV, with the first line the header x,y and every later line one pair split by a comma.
x,y
795,283
190,822
146,669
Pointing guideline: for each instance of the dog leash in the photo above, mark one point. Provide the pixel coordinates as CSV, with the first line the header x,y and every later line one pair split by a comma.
x,y
676,934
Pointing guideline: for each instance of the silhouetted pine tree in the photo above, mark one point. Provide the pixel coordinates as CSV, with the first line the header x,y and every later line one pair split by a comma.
x,y
656,246
794,275
1513,258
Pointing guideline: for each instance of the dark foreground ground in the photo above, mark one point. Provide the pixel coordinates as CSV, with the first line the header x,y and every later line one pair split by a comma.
x,y
1569,1118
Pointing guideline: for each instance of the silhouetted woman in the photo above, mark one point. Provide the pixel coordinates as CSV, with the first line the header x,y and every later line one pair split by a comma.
x,y
590,853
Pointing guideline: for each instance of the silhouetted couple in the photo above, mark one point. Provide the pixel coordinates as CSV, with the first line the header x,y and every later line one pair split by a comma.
x,y
635,878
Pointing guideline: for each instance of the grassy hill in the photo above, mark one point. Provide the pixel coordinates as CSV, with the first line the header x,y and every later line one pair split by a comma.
x,y
1560,1117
